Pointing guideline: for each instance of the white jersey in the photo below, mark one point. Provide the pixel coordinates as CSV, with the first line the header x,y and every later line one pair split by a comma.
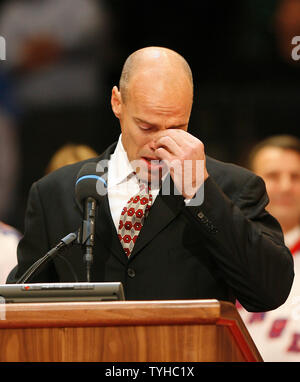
x,y
277,333
9,239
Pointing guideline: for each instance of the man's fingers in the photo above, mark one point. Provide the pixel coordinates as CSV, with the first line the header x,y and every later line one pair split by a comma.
x,y
180,137
169,144
163,154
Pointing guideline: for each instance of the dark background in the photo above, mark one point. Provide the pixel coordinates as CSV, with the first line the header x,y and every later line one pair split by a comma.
x,y
246,85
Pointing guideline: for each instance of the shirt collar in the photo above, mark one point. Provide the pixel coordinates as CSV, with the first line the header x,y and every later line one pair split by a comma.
x,y
119,166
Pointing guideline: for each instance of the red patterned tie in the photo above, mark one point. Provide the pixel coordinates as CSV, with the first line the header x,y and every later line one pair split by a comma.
x,y
132,218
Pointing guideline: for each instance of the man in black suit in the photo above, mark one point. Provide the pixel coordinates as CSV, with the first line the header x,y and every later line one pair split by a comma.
x,y
227,247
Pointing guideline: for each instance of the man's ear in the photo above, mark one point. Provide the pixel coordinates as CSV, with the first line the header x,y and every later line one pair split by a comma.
x,y
116,102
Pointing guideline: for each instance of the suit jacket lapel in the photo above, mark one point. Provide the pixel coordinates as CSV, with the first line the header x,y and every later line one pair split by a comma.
x,y
106,231
163,211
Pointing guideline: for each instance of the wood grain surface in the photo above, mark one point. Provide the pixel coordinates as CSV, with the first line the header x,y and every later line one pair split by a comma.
x,y
152,331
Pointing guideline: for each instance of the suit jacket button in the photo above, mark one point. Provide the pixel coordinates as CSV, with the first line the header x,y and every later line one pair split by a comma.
x,y
131,272
201,215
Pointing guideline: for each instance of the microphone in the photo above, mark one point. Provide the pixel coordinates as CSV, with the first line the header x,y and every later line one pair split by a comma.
x,y
87,189
36,267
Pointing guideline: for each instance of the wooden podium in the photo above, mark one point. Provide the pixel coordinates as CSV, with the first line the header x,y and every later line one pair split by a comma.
x,y
146,331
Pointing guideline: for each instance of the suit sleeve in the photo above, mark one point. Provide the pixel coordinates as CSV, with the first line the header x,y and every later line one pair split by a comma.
x,y
246,243
34,243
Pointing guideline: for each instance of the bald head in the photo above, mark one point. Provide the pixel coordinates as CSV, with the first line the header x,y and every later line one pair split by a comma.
x,y
161,63
155,95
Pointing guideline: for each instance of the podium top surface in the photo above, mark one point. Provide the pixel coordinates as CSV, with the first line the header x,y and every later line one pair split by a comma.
x,y
110,313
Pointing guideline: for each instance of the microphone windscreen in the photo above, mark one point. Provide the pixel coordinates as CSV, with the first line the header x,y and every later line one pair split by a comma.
x,y
89,183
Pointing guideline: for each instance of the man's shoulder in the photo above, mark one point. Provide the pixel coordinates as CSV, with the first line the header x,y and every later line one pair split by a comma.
x,y
219,168
231,177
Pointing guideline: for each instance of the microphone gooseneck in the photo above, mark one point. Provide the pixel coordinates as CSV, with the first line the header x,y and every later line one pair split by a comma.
x,y
88,196
66,241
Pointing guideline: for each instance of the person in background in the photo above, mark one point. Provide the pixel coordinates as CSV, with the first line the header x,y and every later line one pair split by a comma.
x,y
277,160
9,239
68,154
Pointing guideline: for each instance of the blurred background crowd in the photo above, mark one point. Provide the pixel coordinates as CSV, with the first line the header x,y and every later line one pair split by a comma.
x,y
64,56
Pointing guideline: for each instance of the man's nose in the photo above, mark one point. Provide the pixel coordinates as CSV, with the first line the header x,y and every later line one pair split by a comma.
x,y
151,145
